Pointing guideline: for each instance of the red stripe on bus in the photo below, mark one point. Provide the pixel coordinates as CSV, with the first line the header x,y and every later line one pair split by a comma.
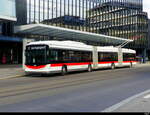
x,y
130,61
74,64
69,64
36,67
107,62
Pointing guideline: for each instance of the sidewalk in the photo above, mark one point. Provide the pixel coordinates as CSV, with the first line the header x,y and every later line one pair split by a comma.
x,y
10,71
11,66
138,103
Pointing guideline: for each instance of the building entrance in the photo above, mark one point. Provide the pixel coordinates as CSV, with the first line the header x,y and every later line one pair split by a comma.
x,y
10,53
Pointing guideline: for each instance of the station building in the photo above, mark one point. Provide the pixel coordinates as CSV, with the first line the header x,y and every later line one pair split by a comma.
x,y
148,39
121,18
64,19
118,18
71,22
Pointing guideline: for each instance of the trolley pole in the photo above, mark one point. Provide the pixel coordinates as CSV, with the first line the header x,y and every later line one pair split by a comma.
x,y
120,53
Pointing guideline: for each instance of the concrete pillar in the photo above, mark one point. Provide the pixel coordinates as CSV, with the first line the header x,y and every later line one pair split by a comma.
x,y
95,57
120,56
25,42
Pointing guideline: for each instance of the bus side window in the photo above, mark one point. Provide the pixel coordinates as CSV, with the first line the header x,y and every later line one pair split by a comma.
x,y
129,57
65,56
53,55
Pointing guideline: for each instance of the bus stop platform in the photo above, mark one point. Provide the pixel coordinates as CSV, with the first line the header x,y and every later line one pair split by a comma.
x,y
10,66
11,71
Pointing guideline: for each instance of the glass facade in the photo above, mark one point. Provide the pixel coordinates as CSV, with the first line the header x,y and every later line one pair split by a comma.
x,y
148,52
120,18
63,13
149,34
21,12
7,16
8,10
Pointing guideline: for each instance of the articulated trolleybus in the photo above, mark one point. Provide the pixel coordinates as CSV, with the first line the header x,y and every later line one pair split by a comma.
x,y
64,56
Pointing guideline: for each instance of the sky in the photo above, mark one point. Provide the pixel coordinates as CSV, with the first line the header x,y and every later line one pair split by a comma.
x,y
147,6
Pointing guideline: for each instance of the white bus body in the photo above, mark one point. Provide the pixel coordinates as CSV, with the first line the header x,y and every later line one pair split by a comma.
x,y
64,56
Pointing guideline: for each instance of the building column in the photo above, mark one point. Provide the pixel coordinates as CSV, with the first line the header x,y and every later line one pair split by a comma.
x,y
25,42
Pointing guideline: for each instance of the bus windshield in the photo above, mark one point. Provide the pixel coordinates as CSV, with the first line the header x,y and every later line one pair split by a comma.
x,y
36,55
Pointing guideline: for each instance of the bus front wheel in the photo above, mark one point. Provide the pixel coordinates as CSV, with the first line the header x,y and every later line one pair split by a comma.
x,y
112,66
64,70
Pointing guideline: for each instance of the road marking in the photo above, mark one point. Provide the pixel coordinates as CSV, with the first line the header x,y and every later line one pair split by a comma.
x,y
115,107
147,96
11,77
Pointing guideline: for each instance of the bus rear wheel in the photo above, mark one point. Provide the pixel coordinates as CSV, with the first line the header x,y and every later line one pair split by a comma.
x,y
64,70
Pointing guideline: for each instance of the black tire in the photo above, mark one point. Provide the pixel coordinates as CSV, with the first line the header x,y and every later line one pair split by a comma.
x,y
64,70
90,68
26,74
113,66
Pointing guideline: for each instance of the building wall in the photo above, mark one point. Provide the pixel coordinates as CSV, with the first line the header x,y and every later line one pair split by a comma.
x,y
21,12
120,19
7,16
71,22
10,46
7,10
149,34
40,10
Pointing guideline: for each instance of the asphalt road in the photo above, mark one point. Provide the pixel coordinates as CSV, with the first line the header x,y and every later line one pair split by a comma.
x,y
75,92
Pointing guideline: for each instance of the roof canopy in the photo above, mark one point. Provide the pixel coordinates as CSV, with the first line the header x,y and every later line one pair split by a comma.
x,y
68,34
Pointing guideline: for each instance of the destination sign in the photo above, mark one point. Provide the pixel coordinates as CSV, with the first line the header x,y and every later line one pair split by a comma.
x,y
36,47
